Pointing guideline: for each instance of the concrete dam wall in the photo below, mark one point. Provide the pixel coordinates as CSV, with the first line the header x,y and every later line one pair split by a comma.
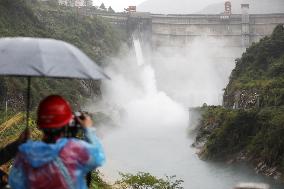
x,y
239,30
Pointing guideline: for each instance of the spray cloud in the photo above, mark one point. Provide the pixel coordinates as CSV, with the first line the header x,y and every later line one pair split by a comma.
x,y
152,101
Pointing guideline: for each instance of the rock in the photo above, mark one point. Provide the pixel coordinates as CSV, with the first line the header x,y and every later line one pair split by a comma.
x,y
260,164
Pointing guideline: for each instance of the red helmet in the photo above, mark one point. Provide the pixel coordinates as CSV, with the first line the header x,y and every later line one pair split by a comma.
x,y
54,112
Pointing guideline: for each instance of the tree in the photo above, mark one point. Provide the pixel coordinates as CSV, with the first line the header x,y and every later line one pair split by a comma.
x,y
53,3
103,7
110,10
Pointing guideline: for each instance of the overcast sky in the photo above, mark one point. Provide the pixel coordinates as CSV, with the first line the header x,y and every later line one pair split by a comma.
x,y
119,5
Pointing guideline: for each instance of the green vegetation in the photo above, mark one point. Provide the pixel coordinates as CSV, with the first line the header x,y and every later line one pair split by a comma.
x,y
102,6
145,180
34,19
98,183
137,181
140,180
254,129
255,133
259,74
30,18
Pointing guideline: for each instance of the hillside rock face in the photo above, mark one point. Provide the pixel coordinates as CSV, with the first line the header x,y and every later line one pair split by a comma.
x,y
243,99
257,80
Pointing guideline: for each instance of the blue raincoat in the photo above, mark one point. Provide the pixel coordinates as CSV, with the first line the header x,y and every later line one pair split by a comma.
x,y
62,165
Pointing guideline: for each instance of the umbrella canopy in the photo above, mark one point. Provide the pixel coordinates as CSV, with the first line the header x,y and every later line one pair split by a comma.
x,y
23,56
38,57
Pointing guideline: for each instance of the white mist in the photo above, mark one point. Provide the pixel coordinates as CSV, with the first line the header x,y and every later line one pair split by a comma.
x,y
195,73
152,99
149,102
133,90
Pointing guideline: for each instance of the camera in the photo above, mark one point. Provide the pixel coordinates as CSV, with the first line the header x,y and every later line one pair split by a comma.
x,y
74,125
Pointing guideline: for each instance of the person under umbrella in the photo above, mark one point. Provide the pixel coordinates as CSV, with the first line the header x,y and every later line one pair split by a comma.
x,y
56,161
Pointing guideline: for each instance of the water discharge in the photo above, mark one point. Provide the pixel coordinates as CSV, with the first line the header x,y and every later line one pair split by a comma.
x,y
149,104
138,51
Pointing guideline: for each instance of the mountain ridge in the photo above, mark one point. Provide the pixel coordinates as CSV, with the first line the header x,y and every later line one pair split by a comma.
x,y
261,7
205,7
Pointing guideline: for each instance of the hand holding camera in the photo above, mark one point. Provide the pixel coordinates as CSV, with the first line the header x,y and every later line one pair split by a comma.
x,y
84,120
81,120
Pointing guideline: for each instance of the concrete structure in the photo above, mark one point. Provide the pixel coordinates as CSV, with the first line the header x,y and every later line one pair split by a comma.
x,y
228,8
245,25
237,30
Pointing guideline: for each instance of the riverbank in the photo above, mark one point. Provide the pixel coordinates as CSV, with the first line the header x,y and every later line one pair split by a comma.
x,y
235,136
249,127
260,167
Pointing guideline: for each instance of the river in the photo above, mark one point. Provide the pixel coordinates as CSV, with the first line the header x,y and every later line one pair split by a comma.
x,y
168,152
149,104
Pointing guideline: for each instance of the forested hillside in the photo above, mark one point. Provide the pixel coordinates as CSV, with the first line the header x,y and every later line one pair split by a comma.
x,y
258,79
250,126
30,18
